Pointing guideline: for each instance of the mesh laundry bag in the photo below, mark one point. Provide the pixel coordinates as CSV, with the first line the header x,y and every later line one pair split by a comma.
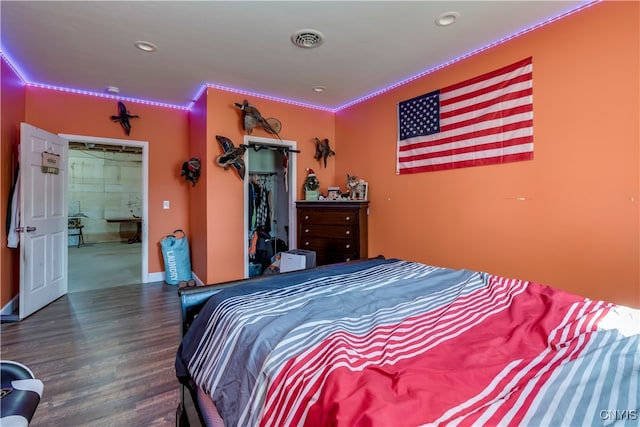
x,y
177,264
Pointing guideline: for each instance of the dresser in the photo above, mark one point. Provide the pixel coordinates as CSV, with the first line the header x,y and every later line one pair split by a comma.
x,y
335,230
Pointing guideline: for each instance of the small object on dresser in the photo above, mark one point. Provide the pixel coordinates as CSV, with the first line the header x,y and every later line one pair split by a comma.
x,y
358,188
333,193
311,186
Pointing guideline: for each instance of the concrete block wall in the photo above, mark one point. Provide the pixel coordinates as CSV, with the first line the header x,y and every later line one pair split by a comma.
x,y
104,185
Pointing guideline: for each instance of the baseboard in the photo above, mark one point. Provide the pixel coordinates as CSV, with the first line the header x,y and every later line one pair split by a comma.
x,y
156,277
10,307
197,279
159,277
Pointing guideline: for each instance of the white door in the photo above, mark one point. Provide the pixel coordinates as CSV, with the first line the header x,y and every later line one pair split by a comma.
x,y
43,220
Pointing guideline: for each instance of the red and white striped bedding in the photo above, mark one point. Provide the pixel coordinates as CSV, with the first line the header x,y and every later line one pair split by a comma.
x,y
398,344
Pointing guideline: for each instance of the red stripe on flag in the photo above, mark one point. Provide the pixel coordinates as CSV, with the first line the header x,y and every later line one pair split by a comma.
x,y
490,74
482,91
493,115
484,104
470,163
500,130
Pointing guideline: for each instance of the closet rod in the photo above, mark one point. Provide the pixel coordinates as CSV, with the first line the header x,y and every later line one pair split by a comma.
x,y
258,147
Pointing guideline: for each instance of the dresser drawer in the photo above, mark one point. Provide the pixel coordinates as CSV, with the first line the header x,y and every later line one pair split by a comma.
x,y
347,247
308,216
329,251
331,231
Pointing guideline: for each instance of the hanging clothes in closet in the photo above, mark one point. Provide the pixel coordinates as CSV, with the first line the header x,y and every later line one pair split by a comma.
x,y
260,194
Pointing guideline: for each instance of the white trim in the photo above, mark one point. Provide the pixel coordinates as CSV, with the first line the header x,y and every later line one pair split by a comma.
x,y
159,277
156,277
293,186
145,188
197,279
10,307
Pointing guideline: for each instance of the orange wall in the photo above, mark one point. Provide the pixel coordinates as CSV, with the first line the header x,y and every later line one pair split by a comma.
x,y
198,193
224,204
167,133
578,228
12,110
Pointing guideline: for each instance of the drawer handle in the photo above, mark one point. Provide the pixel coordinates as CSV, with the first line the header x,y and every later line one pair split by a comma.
x,y
306,230
347,246
306,243
348,232
348,218
348,259
306,217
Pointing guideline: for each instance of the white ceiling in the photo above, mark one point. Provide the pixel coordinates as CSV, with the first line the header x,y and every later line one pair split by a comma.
x,y
245,45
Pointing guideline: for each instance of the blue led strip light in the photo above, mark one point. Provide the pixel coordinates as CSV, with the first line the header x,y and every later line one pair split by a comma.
x,y
269,97
86,92
467,55
293,102
109,96
13,67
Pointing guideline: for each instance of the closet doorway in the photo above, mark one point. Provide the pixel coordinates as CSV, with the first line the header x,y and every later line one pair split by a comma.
x,y
270,191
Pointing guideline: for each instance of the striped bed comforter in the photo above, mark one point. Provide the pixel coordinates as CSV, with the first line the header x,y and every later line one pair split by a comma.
x,y
397,343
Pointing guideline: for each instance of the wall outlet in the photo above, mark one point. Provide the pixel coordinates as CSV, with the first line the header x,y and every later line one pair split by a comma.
x,y
165,204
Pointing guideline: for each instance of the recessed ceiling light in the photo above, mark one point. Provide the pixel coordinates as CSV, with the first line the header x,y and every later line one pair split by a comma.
x,y
447,18
319,88
307,39
146,46
112,89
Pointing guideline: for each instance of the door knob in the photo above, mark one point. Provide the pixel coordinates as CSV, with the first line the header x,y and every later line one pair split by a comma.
x,y
28,230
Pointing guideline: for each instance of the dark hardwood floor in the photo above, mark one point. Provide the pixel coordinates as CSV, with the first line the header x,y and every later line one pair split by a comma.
x,y
106,357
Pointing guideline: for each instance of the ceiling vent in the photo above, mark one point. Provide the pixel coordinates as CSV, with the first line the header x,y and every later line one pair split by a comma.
x,y
307,39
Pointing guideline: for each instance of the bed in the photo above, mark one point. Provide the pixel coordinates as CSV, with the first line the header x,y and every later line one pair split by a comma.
x,y
389,342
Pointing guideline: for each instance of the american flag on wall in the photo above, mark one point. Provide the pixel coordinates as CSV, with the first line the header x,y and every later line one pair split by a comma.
x,y
485,120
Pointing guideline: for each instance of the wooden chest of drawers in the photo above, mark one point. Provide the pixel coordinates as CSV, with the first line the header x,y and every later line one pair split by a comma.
x,y
335,230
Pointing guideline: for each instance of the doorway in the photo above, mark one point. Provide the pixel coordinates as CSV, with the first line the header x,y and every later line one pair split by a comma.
x,y
120,261
265,164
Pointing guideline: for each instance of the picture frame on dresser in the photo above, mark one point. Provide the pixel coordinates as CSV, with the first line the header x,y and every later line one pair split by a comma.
x,y
365,191
333,193
361,191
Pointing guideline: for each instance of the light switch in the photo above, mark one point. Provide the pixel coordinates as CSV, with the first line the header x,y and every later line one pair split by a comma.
x,y
165,204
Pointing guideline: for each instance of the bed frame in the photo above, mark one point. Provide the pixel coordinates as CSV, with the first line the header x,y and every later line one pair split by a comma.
x,y
192,299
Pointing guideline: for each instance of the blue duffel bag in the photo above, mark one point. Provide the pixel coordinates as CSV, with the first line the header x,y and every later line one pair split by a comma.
x,y
177,264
